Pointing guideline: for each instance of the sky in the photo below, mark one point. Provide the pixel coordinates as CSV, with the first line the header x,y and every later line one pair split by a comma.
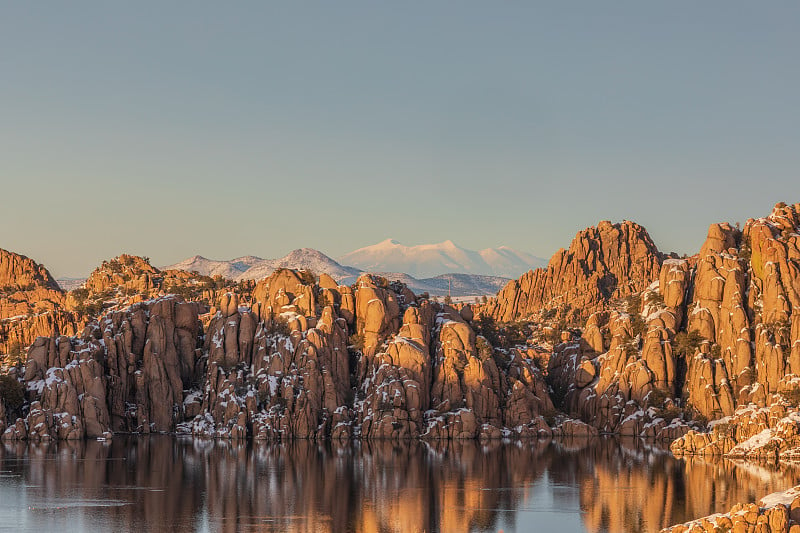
x,y
170,129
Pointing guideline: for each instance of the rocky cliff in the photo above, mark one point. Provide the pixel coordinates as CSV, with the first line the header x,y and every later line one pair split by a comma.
x,y
297,358
778,512
603,263
31,304
613,334
711,333
128,279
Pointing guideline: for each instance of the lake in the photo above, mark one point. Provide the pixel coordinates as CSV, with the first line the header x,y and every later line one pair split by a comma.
x,y
165,483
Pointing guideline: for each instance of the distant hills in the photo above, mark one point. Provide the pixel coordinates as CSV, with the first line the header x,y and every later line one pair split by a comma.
x,y
438,269
252,267
428,260
457,285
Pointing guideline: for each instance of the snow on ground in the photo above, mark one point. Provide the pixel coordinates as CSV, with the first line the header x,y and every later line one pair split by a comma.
x,y
786,497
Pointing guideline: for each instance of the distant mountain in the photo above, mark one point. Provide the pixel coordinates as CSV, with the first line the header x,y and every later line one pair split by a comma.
x,y
429,260
457,285
209,267
252,267
68,284
301,259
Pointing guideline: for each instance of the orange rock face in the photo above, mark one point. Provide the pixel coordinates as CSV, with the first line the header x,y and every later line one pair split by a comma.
x,y
127,372
605,262
31,303
649,343
714,332
291,360
18,272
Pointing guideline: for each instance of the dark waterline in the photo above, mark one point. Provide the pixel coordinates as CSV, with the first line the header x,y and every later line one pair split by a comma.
x,y
163,483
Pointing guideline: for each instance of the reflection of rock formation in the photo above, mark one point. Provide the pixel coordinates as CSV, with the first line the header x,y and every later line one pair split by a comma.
x,y
625,485
643,490
378,486
163,483
147,489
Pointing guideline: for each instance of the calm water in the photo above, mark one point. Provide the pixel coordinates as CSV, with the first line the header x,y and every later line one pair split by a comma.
x,y
173,484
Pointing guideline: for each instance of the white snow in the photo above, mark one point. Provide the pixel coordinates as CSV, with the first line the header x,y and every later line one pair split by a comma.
x,y
756,441
786,497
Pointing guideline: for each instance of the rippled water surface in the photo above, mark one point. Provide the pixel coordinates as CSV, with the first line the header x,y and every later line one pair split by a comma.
x,y
173,484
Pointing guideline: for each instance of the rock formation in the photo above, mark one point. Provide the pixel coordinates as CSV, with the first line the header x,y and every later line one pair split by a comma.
x,y
127,372
31,304
776,513
128,279
294,359
602,263
710,333
624,338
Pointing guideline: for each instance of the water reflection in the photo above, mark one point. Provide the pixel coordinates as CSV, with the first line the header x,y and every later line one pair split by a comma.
x,y
164,483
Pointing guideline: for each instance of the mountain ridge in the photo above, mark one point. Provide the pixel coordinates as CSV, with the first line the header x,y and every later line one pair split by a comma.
x,y
430,260
615,334
252,267
461,283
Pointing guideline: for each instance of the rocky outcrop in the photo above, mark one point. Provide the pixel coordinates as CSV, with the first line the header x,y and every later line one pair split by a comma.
x,y
126,373
776,513
602,263
763,433
667,345
128,272
745,284
19,273
128,279
714,332
278,365
419,377
31,304
621,375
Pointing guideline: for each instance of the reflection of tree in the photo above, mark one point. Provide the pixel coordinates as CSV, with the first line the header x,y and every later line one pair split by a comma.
x,y
171,484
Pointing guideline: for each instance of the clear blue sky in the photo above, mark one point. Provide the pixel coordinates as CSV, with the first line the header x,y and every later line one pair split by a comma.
x,y
173,128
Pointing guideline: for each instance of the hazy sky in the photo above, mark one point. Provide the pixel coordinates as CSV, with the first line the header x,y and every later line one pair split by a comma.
x,y
170,129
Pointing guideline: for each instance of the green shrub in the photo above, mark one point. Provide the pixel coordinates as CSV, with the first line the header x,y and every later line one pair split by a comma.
x,y
745,252
356,342
655,298
633,307
631,350
15,354
793,396
11,392
80,293
485,349
322,300
685,344
550,417
486,327
716,351
278,326
656,397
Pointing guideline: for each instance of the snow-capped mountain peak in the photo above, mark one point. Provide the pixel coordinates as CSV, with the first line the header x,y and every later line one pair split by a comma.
x,y
427,260
252,267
